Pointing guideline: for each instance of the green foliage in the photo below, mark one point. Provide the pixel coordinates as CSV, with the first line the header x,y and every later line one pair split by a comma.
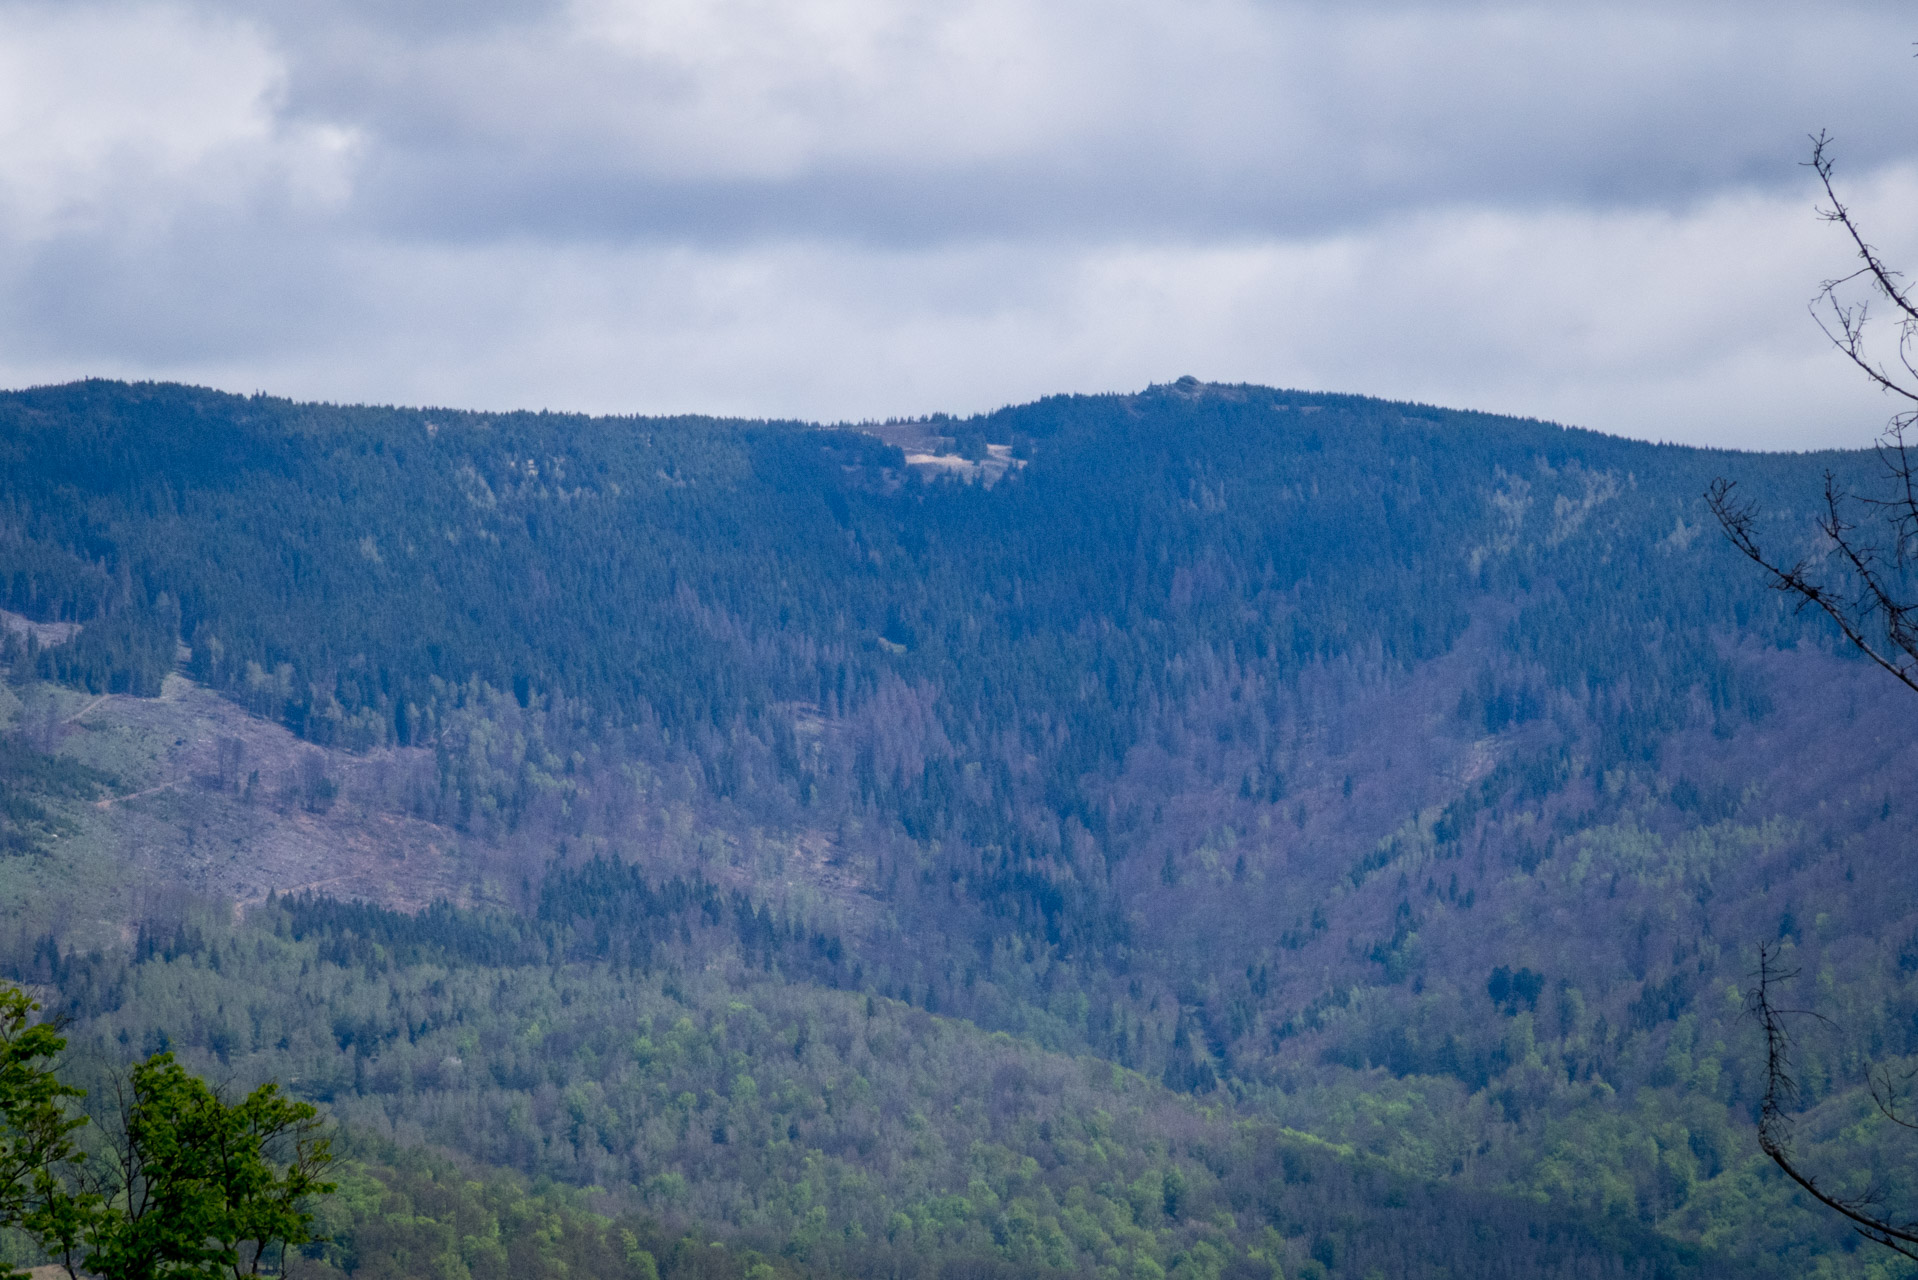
x,y
180,1183
198,1188
1396,772
1029,715
36,1122
835,1133
409,1213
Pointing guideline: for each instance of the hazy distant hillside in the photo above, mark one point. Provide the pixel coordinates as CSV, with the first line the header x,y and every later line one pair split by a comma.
x,y
1420,779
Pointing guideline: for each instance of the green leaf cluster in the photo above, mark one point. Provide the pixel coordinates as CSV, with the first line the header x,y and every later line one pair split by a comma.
x,y
186,1185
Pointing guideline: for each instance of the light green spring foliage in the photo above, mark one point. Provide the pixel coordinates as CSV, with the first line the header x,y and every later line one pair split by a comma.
x,y
830,1129
608,628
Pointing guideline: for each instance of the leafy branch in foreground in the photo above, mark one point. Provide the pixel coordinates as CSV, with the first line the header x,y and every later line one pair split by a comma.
x,y
36,1125
195,1186
183,1183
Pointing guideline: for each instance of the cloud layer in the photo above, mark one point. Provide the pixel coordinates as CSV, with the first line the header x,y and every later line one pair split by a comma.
x,y
848,209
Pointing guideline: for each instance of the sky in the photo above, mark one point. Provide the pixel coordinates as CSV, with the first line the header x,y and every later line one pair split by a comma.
x,y
847,210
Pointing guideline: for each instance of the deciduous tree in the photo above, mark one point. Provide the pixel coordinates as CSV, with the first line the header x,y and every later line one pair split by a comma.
x,y
179,1182
199,1188
37,1119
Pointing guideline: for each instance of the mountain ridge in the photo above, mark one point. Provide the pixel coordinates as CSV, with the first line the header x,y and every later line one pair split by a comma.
x,y
1242,746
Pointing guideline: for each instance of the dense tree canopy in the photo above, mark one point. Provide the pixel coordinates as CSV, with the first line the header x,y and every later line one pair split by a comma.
x,y
1406,777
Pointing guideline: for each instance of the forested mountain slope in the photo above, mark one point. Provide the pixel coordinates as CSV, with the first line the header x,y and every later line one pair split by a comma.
x,y
1420,779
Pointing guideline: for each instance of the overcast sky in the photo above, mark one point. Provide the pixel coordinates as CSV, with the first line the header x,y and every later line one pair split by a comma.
x,y
855,209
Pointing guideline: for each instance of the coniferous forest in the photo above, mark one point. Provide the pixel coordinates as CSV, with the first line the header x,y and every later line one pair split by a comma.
x,y
1212,832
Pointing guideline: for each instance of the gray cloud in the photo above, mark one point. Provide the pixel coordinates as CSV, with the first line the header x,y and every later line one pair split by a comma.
x,y
850,208
1099,118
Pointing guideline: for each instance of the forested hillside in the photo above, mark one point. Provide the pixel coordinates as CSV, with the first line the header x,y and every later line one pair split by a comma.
x,y
1264,764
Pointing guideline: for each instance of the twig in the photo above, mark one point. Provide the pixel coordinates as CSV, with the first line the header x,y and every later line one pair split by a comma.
x,y
1774,1123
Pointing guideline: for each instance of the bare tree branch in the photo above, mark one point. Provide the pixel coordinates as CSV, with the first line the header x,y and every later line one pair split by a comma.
x,y
1845,323
1875,612
1738,519
1888,1095
1774,1122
